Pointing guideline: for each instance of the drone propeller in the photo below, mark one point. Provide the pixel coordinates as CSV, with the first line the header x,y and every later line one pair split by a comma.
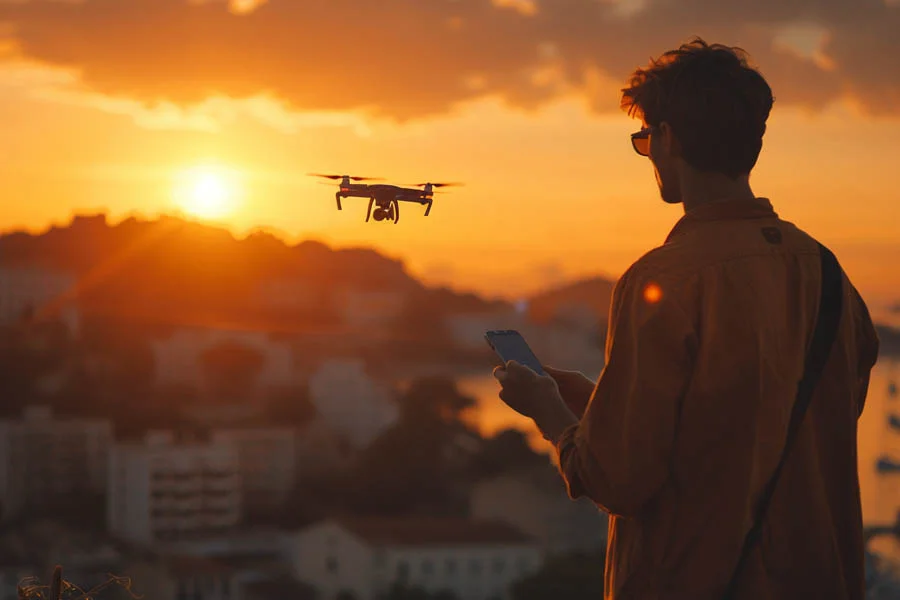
x,y
354,178
440,185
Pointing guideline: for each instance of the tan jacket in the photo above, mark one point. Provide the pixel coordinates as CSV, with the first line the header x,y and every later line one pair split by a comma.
x,y
706,344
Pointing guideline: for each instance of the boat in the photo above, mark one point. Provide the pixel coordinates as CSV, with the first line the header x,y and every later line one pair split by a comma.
x,y
887,465
894,421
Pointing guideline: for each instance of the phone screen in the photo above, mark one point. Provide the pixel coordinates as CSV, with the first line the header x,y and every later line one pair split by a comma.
x,y
510,345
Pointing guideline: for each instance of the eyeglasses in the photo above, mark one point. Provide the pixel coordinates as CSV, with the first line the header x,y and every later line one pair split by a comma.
x,y
640,141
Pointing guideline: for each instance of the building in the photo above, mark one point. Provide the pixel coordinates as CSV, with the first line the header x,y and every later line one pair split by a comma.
x,y
174,577
168,489
44,459
42,292
535,502
355,406
476,560
179,357
267,459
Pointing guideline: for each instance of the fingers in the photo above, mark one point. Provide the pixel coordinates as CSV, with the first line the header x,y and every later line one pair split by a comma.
x,y
511,372
554,371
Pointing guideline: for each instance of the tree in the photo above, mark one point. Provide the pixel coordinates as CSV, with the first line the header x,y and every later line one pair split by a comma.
x,y
291,405
232,369
37,361
508,450
434,398
409,468
574,576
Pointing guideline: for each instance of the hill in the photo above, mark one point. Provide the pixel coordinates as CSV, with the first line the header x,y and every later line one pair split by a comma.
x,y
573,302
170,270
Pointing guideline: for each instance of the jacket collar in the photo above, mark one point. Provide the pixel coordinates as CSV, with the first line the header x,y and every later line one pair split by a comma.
x,y
757,208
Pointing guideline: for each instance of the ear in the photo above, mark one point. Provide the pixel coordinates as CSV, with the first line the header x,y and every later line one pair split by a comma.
x,y
669,142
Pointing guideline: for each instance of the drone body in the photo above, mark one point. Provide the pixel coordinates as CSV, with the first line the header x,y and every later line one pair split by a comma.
x,y
385,198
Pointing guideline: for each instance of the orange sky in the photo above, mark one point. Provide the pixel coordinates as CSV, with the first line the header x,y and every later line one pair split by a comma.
x,y
553,190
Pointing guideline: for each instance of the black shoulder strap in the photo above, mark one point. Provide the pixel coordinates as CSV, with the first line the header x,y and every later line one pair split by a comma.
x,y
830,308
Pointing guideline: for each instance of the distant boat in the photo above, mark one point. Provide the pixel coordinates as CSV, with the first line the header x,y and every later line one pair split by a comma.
x,y
887,465
894,421
892,389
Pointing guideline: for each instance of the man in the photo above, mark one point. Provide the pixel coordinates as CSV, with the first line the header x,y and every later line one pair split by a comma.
x,y
706,344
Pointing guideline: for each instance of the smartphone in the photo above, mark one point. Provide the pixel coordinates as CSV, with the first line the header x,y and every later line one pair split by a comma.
x,y
510,345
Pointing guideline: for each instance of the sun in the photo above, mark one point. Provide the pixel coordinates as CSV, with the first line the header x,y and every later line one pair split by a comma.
x,y
207,192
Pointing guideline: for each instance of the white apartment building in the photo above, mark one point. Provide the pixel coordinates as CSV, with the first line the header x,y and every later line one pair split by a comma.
x,y
355,405
44,291
267,460
166,489
45,458
477,560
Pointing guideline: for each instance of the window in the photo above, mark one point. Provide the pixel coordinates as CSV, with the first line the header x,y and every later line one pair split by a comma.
x,y
182,591
498,565
380,559
523,564
450,566
402,570
475,567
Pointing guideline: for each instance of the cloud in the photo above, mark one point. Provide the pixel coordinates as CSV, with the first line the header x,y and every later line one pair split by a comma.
x,y
405,59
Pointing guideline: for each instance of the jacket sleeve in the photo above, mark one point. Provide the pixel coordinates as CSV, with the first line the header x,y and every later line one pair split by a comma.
x,y
619,453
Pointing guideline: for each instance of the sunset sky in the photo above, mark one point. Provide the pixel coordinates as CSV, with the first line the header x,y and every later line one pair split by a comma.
x,y
220,109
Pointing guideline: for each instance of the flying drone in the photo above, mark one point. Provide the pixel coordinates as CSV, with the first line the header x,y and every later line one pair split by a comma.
x,y
385,197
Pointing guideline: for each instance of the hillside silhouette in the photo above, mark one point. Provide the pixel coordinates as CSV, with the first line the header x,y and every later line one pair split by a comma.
x,y
173,271
593,295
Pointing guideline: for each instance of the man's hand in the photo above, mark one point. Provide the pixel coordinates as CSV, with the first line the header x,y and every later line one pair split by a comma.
x,y
534,396
575,387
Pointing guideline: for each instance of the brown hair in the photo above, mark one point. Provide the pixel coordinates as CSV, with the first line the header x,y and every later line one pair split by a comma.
x,y
715,102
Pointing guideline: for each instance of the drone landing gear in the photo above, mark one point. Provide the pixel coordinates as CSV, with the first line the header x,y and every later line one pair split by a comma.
x,y
337,197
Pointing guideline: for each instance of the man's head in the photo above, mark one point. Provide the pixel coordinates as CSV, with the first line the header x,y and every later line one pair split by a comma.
x,y
704,111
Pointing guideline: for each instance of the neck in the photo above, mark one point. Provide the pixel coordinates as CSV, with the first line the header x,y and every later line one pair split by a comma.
x,y
698,189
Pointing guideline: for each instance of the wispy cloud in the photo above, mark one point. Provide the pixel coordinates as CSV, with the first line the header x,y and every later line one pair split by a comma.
x,y
61,85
